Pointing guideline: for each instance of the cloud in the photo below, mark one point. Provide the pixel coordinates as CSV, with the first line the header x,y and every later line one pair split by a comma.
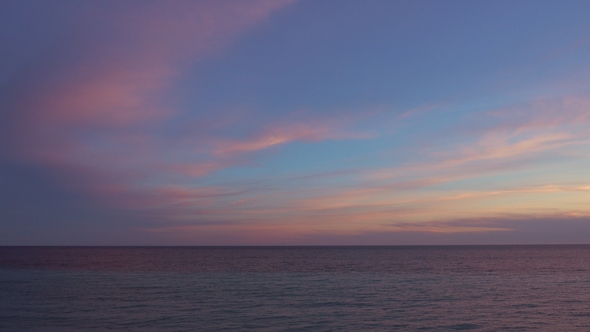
x,y
506,138
501,171
420,110
94,103
506,229
96,110
462,181
310,131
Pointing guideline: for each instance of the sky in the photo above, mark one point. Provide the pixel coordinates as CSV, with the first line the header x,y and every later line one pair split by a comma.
x,y
289,122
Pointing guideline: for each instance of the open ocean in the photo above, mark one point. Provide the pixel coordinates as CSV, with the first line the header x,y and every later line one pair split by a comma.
x,y
422,288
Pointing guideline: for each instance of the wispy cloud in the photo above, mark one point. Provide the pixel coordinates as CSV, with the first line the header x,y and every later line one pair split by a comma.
x,y
310,131
106,104
451,183
98,107
507,136
505,229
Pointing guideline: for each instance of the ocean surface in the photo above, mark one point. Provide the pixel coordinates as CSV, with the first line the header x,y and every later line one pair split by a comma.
x,y
422,288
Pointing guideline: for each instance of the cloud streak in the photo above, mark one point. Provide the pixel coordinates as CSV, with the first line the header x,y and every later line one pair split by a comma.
x,y
232,120
96,104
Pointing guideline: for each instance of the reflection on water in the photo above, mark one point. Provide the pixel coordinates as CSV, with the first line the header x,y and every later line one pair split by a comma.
x,y
298,288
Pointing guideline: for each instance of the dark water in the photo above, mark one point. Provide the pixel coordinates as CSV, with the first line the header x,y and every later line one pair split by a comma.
x,y
481,288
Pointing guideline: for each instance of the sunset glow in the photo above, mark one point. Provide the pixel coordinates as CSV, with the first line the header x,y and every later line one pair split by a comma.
x,y
294,122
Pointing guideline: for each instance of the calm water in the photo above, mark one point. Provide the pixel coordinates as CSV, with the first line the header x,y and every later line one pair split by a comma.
x,y
481,288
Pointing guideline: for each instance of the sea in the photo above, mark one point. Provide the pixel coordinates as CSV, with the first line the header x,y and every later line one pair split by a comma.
x,y
365,288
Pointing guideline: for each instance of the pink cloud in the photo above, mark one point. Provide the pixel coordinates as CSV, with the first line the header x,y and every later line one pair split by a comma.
x,y
98,111
409,192
511,138
116,99
95,122
297,228
283,134
195,169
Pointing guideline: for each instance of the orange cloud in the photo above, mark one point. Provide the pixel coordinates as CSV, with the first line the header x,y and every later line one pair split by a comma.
x,y
280,135
543,127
